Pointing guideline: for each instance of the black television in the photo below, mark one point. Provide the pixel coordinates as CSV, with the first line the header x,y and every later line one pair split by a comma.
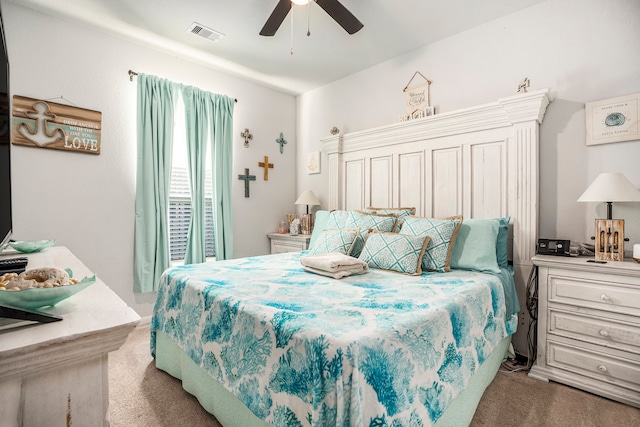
x,y
5,144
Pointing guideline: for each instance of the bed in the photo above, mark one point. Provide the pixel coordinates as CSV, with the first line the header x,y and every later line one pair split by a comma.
x,y
260,338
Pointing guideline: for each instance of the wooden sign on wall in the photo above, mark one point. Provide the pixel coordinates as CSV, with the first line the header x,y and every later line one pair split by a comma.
x,y
47,124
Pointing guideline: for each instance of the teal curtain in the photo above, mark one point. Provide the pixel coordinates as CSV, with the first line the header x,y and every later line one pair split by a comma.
x,y
222,158
208,117
156,106
196,105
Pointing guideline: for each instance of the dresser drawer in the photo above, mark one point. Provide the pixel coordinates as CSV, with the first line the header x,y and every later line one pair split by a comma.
x,y
281,243
607,296
598,330
603,367
278,247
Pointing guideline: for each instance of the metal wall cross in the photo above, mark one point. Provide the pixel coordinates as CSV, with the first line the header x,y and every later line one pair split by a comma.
x,y
247,136
266,165
246,177
281,141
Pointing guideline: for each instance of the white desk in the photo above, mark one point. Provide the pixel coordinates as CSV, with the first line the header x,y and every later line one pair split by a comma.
x,y
56,374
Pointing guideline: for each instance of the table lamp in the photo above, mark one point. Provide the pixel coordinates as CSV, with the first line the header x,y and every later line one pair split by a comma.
x,y
307,198
609,188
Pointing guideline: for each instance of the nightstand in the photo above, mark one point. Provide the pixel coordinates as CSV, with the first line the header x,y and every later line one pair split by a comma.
x,y
288,243
589,326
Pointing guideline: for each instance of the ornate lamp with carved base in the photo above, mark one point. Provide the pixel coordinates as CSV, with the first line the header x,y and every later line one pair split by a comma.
x,y
307,198
609,238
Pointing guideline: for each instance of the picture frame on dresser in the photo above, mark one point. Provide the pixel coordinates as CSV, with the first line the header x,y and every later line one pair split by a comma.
x,y
589,326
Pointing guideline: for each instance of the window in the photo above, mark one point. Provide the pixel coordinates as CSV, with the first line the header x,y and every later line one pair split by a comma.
x,y
180,213
180,195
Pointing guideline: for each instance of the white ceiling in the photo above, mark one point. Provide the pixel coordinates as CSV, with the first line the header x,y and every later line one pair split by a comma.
x,y
391,28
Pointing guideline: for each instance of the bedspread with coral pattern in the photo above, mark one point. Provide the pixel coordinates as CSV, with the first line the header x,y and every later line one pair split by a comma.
x,y
299,349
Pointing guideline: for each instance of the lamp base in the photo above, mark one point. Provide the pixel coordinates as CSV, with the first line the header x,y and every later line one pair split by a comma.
x,y
609,239
306,222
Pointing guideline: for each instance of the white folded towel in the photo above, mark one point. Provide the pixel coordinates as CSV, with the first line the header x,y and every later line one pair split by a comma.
x,y
333,264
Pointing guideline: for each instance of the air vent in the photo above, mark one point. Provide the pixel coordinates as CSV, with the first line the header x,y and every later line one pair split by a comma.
x,y
207,33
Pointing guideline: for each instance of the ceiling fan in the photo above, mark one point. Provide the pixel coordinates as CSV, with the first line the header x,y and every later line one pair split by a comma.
x,y
334,8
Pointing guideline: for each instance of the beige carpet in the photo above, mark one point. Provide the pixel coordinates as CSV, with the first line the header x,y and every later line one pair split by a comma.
x,y
142,396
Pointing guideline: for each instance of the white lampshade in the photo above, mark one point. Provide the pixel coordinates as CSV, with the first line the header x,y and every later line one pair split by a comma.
x,y
307,198
610,187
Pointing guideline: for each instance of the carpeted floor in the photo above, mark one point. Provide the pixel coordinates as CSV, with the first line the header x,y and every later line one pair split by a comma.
x,y
143,396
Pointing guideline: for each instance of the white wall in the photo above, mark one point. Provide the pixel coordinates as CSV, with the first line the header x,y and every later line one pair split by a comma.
x,y
583,50
87,202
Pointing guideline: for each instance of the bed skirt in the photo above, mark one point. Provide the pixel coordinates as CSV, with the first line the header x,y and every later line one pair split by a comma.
x,y
231,412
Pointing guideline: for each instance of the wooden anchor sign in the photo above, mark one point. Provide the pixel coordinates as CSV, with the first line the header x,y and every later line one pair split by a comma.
x,y
46,124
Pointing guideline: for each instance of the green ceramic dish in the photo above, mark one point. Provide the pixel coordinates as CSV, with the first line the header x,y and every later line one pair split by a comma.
x,y
42,297
30,246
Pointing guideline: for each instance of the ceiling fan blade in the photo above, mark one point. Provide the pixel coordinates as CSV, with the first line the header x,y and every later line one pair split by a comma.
x,y
275,19
341,15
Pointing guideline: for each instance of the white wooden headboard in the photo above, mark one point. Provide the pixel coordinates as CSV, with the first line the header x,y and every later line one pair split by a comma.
x,y
481,162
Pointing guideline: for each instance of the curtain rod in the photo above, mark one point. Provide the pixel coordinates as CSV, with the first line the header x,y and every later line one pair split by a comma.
x,y
132,74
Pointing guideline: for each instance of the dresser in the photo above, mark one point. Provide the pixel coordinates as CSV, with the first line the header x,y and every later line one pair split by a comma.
x,y
56,374
281,243
589,326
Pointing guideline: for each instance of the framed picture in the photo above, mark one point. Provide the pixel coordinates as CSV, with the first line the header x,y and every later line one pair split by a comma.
x,y
313,163
613,120
429,111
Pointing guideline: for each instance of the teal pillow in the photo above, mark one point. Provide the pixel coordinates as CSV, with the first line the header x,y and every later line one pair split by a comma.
x,y
442,233
337,219
320,224
333,240
366,222
396,252
400,212
502,251
475,246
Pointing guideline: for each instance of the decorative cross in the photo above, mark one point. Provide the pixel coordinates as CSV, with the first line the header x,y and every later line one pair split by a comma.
x,y
247,136
281,141
266,165
246,177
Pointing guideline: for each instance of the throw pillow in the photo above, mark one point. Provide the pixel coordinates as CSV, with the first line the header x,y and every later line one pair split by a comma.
x,y
442,233
400,212
336,219
366,222
319,225
475,246
334,240
396,252
502,251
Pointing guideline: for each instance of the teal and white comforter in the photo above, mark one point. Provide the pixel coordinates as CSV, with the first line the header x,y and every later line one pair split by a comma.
x,y
378,349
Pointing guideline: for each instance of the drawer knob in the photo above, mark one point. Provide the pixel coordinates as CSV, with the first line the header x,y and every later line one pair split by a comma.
x,y
602,368
604,333
605,297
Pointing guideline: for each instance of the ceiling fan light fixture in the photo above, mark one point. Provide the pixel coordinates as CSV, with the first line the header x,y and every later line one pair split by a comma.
x,y
334,9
